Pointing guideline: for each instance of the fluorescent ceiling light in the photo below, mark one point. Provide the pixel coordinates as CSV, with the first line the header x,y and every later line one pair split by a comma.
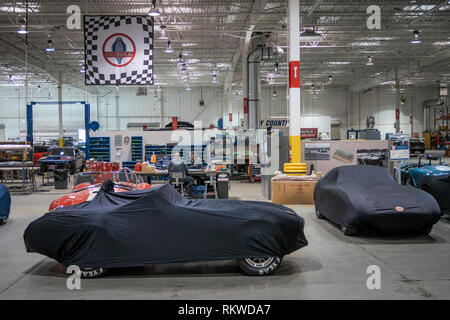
x,y
154,12
22,30
338,62
49,46
189,44
366,44
310,35
416,37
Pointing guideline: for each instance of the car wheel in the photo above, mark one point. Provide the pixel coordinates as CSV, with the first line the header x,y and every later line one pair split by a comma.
x,y
319,215
349,230
3,221
259,266
408,181
91,273
73,168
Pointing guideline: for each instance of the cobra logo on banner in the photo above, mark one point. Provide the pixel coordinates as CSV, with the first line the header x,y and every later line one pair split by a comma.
x,y
119,50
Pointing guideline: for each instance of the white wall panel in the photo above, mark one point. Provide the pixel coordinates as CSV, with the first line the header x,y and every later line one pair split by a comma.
x,y
380,103
170,102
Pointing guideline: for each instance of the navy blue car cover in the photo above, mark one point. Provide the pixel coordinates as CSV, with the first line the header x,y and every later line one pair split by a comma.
x,y
368,196
158,225
5,201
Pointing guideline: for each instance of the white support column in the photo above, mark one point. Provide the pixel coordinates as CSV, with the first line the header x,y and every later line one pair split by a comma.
x,y
295,166
60,111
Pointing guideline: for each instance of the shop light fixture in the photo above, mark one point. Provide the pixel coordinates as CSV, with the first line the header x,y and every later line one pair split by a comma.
x,y
154,12
310,35
49,46
162,33
369,61
416,37
23,29
169,48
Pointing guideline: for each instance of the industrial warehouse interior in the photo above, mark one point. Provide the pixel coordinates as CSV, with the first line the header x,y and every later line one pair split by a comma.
x,y
224,150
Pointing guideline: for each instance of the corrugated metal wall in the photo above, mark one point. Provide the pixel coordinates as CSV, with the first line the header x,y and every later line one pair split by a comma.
x,y
160,106
380,103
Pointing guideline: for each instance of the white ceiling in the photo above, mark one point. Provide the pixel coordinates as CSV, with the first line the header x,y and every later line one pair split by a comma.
x,y
211,36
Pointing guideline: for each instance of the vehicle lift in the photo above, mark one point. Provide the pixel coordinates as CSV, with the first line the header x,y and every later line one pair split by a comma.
x,y
87,116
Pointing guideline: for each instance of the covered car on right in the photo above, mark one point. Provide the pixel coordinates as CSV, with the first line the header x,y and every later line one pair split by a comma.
x,y
368,197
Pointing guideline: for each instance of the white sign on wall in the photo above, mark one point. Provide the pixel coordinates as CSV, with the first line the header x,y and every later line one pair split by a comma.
x,y
399,147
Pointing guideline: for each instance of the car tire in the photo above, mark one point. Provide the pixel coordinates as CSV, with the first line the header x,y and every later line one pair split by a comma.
x,y
92,273
319,215
73,168
408,181
349,230
259,266
3,221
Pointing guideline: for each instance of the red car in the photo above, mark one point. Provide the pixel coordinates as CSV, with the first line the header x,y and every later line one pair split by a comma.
x,y
39,151
87,185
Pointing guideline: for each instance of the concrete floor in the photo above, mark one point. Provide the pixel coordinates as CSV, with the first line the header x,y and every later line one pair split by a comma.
x,y
333,266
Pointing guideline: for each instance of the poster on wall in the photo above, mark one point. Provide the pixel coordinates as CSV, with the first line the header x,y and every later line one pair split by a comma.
x,y
118,50
308,133
399,147
373,157
317,151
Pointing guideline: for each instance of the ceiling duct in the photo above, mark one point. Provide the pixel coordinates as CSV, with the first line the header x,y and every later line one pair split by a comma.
x,y
260,52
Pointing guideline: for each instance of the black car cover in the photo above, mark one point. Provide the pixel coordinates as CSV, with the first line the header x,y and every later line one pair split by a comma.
x,y
439,188
159,225
368,196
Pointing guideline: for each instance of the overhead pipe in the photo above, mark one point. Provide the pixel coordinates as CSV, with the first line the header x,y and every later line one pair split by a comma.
x,y
260,52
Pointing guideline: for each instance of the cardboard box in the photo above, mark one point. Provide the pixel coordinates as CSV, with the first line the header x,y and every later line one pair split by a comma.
x,y
293,192
147,168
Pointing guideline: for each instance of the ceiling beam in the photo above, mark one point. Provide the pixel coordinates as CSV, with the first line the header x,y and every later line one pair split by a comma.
x,y
404,70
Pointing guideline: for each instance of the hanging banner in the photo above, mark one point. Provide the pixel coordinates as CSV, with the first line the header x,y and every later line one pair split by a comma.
x,y
294,74
118,50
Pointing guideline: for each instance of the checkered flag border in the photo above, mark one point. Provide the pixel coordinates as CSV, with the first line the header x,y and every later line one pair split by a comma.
x,y
92,24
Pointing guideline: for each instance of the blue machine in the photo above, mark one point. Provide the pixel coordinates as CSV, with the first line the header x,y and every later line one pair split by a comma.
x,y
87,116
5,203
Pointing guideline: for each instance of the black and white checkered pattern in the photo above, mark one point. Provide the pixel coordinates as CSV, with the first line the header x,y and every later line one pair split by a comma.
x,y
99,75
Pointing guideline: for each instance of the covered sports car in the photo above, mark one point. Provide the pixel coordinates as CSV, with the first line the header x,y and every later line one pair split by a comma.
x,y
357,197
5,204
158,225
431,175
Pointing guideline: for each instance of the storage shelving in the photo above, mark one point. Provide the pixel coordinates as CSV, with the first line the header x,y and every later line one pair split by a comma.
x,y
136,148
99,148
